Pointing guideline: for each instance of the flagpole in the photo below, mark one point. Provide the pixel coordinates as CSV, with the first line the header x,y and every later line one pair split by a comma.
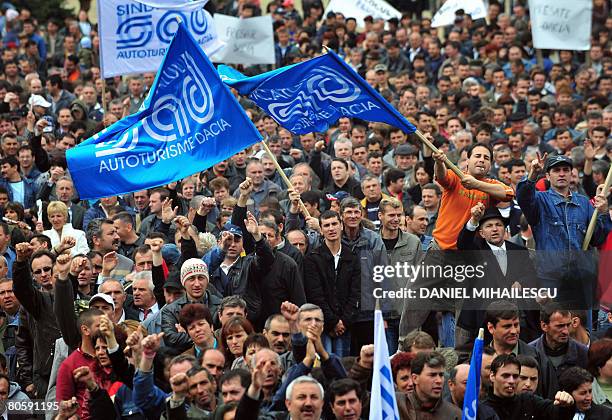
x,y
593,222
450,165
421,137
284,177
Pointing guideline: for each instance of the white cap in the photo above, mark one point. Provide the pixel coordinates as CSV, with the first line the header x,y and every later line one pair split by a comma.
x,y
37,100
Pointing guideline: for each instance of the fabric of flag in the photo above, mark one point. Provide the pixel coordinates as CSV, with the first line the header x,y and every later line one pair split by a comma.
x,y
383,405
189,121
310,96
472,390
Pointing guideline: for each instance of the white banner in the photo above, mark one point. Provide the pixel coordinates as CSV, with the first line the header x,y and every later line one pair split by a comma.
x,y
557,24
134,36
446,14
359,9
247,41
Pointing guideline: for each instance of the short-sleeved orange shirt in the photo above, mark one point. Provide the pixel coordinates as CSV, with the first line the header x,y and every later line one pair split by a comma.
x,y
456,206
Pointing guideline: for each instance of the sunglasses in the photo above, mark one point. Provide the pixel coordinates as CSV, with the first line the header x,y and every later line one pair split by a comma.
x,y
41,270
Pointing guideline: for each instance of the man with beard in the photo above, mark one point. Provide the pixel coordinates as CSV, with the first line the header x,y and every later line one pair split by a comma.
x,y
509,404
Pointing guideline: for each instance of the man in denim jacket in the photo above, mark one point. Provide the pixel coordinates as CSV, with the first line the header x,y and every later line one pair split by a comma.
x,y
559,219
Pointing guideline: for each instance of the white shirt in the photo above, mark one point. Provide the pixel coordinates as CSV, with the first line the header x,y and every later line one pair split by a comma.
x,y
337,258
495,248
226,267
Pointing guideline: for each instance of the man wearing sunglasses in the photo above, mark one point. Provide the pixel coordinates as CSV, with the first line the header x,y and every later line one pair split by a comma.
x,y
35,344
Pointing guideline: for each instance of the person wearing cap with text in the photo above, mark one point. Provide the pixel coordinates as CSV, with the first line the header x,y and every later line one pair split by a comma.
x,y
194,278
559,219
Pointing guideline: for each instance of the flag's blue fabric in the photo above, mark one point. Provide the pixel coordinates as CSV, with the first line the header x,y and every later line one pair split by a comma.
x,y
312,95
472,389
383,405
189,121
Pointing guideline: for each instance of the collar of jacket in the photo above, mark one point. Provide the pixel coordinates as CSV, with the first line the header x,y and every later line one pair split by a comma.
x,y
559,199
417,404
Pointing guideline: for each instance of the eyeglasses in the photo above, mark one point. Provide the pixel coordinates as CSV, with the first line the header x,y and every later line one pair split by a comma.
x,y
40,271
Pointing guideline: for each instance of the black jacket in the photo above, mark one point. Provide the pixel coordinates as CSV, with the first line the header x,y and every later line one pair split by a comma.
x,y
527,406
577,354
41,324
335,291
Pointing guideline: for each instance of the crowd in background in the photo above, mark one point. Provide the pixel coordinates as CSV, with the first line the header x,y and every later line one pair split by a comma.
x,y
218,296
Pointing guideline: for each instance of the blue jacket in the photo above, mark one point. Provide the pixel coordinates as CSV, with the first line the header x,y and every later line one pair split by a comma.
x,y
29,196
558,224
146,396
559,227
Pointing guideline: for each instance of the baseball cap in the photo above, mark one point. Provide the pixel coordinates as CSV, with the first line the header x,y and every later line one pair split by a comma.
x,y
338,196
517,116
558,160
233,229
104,297
380,68
37,100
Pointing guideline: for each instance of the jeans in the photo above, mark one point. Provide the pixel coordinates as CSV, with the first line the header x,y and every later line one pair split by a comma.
x,y
340,346
392,335
447,330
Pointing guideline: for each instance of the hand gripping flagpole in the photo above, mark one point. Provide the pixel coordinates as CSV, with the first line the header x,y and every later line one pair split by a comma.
x,y
284,177
593,222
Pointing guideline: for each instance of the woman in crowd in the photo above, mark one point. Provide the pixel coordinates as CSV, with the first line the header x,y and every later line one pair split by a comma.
x,y
57,212
196,320
402,377
600,366
233,335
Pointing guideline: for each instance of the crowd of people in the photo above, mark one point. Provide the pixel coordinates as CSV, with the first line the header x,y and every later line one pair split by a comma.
x,y
229,295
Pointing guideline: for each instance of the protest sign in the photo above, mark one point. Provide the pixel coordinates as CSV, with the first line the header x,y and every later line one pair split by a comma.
x,y
446,14
359,9
134,35
247,41
562,24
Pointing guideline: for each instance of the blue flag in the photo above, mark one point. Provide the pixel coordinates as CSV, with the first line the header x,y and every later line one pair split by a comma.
x,y
383,405
312,95
472,389
189,121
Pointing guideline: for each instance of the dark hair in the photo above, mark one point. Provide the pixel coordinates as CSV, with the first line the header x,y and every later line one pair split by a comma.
x,y
11,160
42,238
504,360
242,374
56,80
344,162
599,354
16,207
86,317
573,377
551,308
310,197
218,183
528,361
231,326
42,253
512,163
125,217
401,360
432,186
341,387
432,359
473,146
500,309
194,312
329,214
255,339
393,175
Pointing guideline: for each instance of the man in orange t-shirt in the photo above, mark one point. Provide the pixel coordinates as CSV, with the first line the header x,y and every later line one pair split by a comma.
x,y
461,195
